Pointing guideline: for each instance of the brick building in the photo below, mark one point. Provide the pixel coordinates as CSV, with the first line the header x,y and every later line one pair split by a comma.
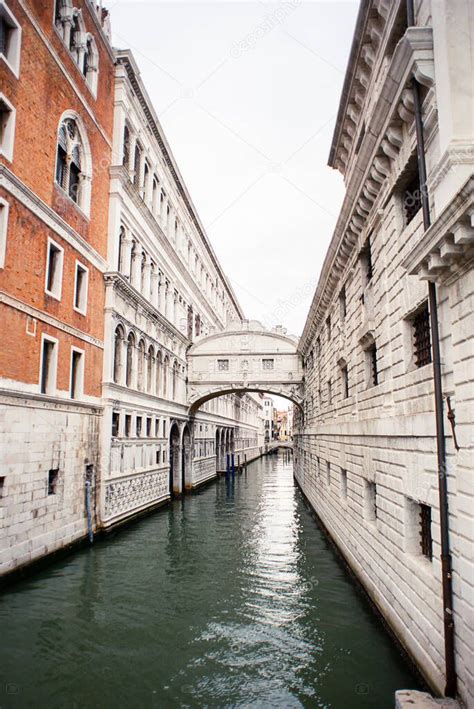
x,y
368,452
56,79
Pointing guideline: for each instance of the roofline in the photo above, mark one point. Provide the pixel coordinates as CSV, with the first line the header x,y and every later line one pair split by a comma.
x,y
362,17
126,58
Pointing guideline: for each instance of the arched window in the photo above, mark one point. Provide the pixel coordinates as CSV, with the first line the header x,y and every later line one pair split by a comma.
x,y
126,148
149,370
158,373
121,255
175,381
130,348
154,196
91,63
141,365
165,376
74,37
146,176
118,347
71,163
137,161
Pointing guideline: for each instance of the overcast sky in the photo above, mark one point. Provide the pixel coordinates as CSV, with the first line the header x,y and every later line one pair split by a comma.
x,y
247,93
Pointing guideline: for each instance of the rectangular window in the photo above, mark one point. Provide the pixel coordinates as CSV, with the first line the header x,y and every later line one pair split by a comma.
x,y
412,199
148,427
365,258
139,426
164,428
54,270
48,366
157,428
328,327
2,486
328,472
80,288
7,127
345,381
53,477
343,303
426,540
344,484
10,38
370,501
115,424
421,336
77,373
4,207
329,391
223,365
157,457
268,364
164,455
128,425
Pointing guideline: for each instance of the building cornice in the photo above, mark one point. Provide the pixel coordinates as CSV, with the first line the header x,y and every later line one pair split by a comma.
x,y
377,165
125,58
120,173
448,244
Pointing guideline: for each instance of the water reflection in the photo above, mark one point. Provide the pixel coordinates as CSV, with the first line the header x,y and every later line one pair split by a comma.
x,y
230,598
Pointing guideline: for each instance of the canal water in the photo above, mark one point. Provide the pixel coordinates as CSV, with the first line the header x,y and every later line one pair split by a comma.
x,y
229,598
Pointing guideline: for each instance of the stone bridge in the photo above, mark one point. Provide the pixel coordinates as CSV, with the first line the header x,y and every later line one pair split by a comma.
x,y
245,357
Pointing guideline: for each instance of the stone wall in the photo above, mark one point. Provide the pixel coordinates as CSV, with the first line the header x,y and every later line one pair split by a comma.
x,y
39,437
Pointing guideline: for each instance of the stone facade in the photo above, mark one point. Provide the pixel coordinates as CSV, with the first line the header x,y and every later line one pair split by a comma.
x,y
365,452
164,290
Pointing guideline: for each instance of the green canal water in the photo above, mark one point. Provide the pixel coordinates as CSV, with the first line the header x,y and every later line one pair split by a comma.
x,y
229,598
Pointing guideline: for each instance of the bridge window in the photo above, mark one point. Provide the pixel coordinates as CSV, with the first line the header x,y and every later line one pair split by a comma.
x,y
223,365
268,363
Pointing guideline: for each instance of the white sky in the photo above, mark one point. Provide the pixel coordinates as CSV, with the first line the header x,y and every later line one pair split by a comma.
x,y
247,93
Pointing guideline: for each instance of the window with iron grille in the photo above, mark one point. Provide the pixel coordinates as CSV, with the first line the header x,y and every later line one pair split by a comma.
x,y
372,368
412,199
421,336
426,540
267,363
223,365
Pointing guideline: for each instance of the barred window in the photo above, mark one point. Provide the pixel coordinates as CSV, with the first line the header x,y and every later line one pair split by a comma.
x,y
267,363
421,336
426,540
343,303
345,381
372,365
223,365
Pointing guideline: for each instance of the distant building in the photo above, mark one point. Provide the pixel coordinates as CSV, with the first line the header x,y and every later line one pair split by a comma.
x,y
268,418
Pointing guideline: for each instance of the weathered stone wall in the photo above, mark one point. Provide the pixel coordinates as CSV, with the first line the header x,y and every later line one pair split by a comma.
x,y
37,438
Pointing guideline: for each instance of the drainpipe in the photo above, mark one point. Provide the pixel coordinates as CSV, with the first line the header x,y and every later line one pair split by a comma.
x,y
446,565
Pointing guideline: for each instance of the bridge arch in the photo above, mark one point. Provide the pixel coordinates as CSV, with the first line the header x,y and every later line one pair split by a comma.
x,y
244,358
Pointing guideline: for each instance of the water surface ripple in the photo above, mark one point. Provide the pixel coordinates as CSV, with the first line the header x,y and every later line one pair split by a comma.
x,y
228,598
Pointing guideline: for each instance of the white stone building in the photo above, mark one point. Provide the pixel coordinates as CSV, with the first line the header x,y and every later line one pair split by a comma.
x,y
164,289
268,417
366,452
